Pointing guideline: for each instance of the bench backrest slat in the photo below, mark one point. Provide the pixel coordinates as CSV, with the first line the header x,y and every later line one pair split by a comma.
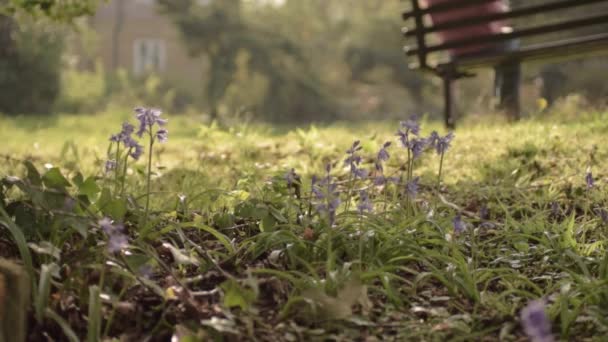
x,y
420,38
442,7
513,14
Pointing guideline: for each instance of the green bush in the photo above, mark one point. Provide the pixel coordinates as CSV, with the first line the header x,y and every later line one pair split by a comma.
x,y
30,61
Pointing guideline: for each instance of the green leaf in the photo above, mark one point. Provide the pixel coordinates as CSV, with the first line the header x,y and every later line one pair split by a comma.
x,y
236,295
268,223
116,209
223,220
136,261
89,188
78,179
47,248
94,325
104,198
180,257
32,174
54,179
63,324
223,239
21,243
47,271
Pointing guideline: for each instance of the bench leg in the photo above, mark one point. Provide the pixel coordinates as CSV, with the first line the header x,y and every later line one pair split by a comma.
x,y
448,104
508,75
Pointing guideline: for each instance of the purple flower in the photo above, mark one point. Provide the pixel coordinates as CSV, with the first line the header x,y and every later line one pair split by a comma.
x,y
411,125
589,180
412,188
403,138
146,271
554,209
417,146
117,241
106,225
536,323
383,153
360,173
127,129
124,134
484,213
603,214
327,196
433,138
443,143
290,176
381,180
353,160
364,205
110,165
137,151
162,135
147,118
355,147
458,224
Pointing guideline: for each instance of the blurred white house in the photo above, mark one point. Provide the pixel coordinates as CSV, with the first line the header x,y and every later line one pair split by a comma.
x,y
134,36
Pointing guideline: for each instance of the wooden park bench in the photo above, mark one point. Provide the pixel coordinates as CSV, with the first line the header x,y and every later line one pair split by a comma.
x,y
544,46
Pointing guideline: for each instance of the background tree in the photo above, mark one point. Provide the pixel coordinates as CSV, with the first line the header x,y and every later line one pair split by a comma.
x,y
30,52
219,31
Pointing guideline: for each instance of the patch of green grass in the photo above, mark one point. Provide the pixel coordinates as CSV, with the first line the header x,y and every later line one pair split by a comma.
x,y
230,248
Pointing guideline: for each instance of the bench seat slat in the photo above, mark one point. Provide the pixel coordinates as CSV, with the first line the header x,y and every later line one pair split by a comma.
x,y
565,48
492,38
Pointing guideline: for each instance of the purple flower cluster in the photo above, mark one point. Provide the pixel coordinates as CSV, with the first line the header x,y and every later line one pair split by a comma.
x,y
147,118
381,158
412,188
110,165
365,204
418,145
125,137
589,179
353,160
290,177
458,224
326,195
408,126
117,240
125,134
441,144
536,323
411,125
383,155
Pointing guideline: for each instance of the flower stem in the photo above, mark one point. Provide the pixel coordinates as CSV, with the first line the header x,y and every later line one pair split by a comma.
x,y
123,177
440,169
149,176
351,184
116,167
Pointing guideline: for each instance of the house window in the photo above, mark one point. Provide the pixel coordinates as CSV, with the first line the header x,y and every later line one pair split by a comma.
x,y
149,55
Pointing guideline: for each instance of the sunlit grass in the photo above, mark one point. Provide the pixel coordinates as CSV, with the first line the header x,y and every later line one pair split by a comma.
x,y
400,271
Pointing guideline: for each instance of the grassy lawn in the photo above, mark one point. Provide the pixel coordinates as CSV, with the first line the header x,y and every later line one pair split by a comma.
x,y
232,247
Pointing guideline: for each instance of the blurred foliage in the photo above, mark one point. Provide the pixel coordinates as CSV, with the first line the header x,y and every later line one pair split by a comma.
x,y
61,10
276,61
240,50
30,63
97,89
